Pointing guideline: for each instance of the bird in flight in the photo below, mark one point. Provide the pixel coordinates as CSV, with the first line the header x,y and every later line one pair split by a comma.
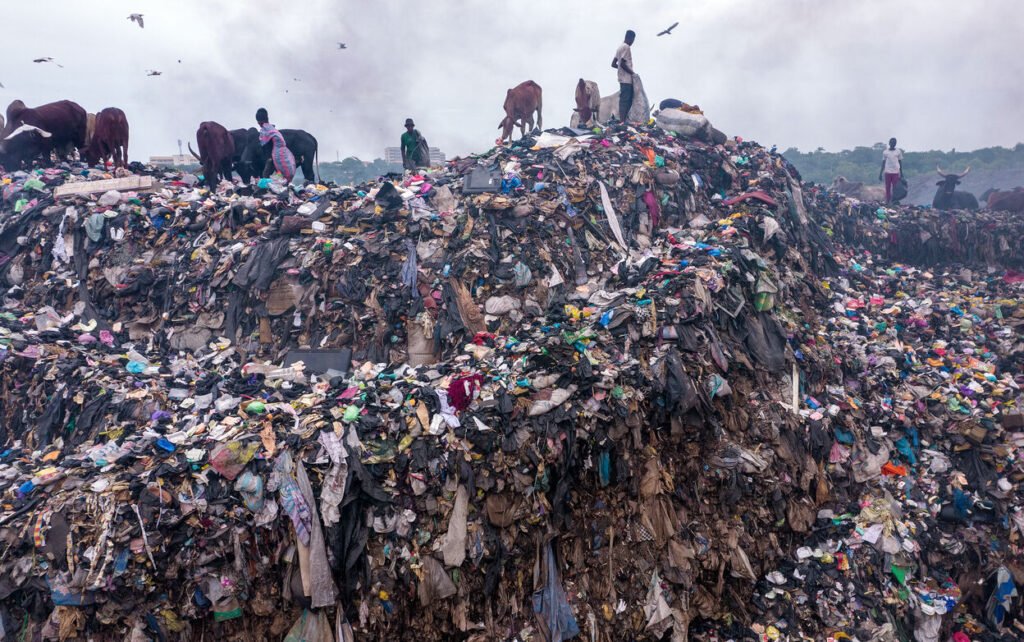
x,y
48,59
153,72
668,31
342,45
137,17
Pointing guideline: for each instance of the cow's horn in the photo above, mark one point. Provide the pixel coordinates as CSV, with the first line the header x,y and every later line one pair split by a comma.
x,y
966,171
28,128
939,171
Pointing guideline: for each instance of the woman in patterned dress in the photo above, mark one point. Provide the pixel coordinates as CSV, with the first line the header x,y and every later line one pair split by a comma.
x,y
284,160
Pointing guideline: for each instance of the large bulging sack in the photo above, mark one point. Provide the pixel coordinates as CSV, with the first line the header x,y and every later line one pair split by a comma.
x,y
684,123
638,113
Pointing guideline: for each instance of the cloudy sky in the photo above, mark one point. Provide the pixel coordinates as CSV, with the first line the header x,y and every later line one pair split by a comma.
x,y
937,74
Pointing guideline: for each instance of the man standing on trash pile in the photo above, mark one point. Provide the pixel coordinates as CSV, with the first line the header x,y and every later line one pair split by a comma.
x,y
415,152
623,61
892,167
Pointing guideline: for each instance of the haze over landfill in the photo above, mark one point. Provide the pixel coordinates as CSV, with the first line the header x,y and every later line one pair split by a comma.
x,y
938,74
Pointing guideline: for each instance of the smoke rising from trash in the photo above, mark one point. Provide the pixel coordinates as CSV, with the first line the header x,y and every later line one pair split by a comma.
x,y
791,72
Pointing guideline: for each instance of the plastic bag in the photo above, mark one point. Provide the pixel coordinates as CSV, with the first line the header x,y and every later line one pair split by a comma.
x,y
310,627
899,192
684,123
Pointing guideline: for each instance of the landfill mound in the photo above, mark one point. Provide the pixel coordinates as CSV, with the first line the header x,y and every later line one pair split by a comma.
x,y
622,386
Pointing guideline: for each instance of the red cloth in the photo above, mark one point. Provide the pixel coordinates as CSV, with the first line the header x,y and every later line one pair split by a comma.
x,y
758,194
891,181
892,469
461,389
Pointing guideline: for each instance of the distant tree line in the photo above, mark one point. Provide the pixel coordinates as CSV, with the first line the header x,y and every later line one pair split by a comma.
x,y
863,163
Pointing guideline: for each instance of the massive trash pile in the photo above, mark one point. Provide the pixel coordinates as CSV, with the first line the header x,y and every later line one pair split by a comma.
x,y
613,387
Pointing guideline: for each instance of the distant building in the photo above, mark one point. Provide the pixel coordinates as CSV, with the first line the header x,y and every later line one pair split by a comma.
x,y
175,160
393,156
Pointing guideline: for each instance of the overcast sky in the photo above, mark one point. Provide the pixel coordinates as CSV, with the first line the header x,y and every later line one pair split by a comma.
x,y
937,74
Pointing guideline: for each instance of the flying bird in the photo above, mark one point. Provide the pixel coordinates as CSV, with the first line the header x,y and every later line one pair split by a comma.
x,y
137,17
2,86
668,31
342,45
48,59
153,72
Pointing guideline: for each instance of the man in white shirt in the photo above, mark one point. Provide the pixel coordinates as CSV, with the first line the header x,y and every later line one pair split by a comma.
x,y
892,168
623,61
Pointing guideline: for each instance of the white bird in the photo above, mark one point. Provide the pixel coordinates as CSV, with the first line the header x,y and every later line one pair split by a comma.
x,y
137,17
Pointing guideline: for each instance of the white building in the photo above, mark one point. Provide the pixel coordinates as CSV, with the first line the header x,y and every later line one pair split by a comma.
x,y
393,155
175,160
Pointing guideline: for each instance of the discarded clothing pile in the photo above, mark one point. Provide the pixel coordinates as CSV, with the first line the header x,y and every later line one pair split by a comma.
x,y
612,386
925,236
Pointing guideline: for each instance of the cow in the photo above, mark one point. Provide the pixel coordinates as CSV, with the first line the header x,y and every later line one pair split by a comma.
x,y
1007,200
90,128
300,143
588,104
520,103
858,190
216,148
109,138
948,198
58,126
241,160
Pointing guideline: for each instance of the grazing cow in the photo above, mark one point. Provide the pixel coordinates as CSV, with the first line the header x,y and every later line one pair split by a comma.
x,y
858,190
216,148
588,104
520,103
109,138
1004,200
300,143
241,160
90,128
58,126
947,197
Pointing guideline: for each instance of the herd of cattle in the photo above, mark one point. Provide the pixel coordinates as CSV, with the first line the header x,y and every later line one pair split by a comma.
x,y
60,128
31,133
222,151
947,196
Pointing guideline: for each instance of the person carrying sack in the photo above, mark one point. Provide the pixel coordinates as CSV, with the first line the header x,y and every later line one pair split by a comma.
x,y
415,151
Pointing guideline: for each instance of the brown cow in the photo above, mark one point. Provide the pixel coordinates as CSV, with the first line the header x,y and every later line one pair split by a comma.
x,y
32,132
216,149
520,103
588,103
1007,200
109,138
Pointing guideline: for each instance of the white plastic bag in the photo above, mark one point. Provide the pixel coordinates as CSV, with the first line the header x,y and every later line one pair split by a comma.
x,y
684,123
